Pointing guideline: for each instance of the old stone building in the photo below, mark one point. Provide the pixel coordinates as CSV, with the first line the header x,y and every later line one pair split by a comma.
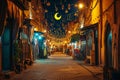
x,y
12,17
97,20
106,15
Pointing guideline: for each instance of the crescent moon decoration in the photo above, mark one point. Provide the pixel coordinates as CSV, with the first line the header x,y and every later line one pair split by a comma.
x,y
57,17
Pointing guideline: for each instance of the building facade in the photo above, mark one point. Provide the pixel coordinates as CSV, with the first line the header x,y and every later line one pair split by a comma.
x,y
12,17
101,19
106,14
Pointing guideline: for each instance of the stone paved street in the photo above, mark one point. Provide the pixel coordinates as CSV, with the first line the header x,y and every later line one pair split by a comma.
x,y
59,67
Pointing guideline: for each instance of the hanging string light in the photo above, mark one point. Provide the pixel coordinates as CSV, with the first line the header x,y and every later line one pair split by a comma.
x,y
57,28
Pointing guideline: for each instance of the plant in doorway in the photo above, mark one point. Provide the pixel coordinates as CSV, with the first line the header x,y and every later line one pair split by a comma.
x,y
17,59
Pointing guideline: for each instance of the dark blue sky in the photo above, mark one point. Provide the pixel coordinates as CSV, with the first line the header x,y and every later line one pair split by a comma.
x,y
65,8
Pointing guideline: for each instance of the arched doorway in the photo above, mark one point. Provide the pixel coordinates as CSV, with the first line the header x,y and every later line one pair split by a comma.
x,y
7,45
108,46
108,67
6,49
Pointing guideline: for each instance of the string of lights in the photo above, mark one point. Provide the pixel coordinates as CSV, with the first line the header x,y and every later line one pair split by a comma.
x,y
58,14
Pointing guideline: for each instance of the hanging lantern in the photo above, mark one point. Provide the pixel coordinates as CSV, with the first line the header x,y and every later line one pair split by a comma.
x,y
76,5
62,7
68,6
56,9
48,4
66,11
75,14
46,11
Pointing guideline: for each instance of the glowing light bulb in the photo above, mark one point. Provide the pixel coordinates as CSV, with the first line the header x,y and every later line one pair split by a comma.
x,y
80,5
40,37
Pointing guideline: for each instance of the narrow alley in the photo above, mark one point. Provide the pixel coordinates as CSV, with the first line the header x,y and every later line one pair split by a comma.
x,y
59,40
60,67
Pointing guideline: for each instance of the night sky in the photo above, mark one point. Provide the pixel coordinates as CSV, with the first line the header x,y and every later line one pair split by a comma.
x,y
64,11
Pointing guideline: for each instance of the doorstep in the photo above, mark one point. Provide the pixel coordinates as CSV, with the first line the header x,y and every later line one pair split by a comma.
x,y
7,75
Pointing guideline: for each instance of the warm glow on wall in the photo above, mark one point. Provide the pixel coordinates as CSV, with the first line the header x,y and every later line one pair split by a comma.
x,y
30,11
80,5
69,31
48,40
35,29
44,31
65,42
82,25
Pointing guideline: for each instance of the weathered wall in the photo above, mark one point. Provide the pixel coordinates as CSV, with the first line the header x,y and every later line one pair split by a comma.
x,y
108,15
93,16
14,17
95,12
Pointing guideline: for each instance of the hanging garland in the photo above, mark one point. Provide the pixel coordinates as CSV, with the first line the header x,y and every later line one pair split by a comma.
x,y
58,13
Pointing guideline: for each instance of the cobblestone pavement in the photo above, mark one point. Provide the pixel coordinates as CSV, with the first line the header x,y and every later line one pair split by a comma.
x,y
59,67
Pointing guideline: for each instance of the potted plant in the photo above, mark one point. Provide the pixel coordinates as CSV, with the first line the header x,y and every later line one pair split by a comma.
x,y
17,59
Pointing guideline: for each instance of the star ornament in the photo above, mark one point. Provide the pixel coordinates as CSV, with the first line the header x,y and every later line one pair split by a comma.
x,y
57,17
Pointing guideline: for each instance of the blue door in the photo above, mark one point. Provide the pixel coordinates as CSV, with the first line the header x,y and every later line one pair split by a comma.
x,y
6,50
109,49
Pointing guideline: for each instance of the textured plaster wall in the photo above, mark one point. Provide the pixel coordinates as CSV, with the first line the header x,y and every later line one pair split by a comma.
x,y
95,12
108,16
95,18
106,4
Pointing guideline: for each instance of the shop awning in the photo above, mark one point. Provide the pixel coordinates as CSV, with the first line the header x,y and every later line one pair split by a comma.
x,y
77,37
93,26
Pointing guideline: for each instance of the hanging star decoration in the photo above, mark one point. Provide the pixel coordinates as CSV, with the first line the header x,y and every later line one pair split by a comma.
x,y
58,14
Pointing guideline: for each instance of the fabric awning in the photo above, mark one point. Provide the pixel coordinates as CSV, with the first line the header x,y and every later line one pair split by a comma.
x,y
75,37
